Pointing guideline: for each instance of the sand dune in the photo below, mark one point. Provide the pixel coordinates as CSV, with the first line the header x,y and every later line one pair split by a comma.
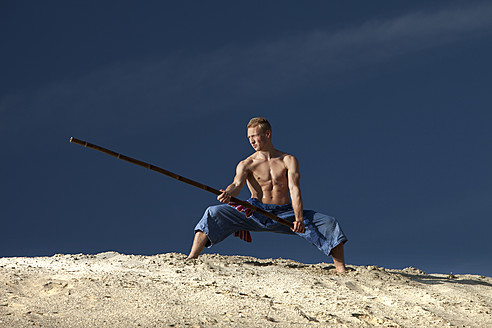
x,y
166,290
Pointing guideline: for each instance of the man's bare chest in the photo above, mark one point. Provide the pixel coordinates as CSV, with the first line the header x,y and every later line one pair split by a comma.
x,y
271,171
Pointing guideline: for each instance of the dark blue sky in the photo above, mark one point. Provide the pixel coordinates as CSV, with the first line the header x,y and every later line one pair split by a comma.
x,y
388,109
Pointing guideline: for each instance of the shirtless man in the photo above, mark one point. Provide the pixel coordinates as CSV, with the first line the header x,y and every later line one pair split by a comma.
x,y
271,175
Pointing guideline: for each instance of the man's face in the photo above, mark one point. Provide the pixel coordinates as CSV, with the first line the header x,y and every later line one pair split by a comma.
x,y
257,138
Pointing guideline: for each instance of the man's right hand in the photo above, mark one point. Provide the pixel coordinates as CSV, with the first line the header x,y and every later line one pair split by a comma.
x,y
225,197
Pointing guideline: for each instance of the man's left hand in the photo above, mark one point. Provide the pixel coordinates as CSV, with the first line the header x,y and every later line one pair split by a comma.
x,y
298,226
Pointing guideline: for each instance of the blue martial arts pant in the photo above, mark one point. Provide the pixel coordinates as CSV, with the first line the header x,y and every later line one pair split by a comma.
x,y
220,221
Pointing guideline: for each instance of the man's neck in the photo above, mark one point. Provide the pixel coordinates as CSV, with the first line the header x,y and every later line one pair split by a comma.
x,y
268,153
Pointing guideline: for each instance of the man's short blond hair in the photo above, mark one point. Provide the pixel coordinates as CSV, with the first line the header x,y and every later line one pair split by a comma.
x,y
260,122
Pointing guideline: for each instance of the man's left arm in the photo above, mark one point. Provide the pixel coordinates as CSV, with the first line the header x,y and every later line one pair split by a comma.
x,y
294,178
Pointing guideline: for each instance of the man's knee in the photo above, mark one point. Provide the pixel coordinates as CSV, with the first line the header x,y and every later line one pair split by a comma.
x,y
213,211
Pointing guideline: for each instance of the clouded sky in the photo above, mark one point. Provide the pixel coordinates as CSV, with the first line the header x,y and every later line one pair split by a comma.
x,y
387,107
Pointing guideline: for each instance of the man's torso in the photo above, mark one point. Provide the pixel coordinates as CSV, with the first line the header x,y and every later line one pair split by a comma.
x,y
267,178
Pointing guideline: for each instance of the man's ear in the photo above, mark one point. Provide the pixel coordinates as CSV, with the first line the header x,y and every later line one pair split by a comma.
x,y
268,133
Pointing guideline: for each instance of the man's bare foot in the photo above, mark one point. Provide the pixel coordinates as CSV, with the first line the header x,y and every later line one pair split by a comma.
x,y
338,256
198,244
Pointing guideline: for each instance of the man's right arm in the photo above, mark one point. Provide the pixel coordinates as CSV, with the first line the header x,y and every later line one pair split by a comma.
x,y
235,187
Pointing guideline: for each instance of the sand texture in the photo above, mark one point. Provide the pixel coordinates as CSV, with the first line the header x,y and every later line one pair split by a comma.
x,y
166,290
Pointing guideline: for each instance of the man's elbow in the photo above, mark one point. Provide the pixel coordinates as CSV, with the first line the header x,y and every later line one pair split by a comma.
x,y
295,192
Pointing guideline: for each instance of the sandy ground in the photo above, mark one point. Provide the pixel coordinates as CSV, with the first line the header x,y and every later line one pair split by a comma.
x,y
166,290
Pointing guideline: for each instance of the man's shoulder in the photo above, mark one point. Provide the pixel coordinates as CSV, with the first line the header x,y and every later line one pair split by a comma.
x,y
290,161
283,156
288,157
247,161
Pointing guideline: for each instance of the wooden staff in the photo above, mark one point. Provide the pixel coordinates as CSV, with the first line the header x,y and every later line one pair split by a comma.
x,y
180,178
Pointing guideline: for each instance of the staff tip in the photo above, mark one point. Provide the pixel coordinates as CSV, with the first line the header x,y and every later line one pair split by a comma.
x,y
71,139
